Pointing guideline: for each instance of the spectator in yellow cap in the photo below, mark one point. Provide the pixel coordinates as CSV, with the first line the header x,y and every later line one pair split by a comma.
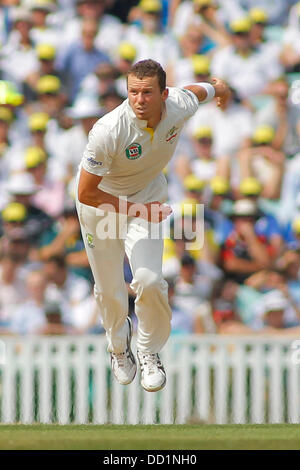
x,y
195,68
193,188
125,57
48,84
13,220
185,69
283,115
219,191
17,56
218,207
202,163
110,32
127,52
6,118
194,199
42,31
266,225
250,187
14,212
51,99
259,19
46,54
148,36
10,95
263,135
263,162
201,68
211,26
247,70
240,35
37,124
50,197
22,189
153,7
207,13
35,157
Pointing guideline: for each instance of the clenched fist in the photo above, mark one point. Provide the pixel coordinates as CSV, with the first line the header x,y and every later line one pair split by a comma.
x,y
222,90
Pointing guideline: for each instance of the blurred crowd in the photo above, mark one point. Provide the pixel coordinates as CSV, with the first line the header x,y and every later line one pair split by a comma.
x,y
63,65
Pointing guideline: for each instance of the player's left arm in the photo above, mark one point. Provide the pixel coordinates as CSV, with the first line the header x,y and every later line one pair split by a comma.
x,y
205,91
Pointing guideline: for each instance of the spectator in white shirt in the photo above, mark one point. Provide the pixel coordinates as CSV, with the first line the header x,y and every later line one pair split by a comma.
x,y
110,28
11,290
30,317
149,40
18,55
231,124
46,54
85,113
192,69
65,288
202,164
241,65
42,32
283,116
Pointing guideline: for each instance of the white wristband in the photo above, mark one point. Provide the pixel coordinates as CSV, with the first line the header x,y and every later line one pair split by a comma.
x,y
209,90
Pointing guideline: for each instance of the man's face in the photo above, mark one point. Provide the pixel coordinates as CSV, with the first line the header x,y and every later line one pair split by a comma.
x,y
241,41
145,96
150,22
91,9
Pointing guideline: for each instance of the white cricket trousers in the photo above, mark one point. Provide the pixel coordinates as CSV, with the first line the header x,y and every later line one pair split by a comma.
x,y
106,258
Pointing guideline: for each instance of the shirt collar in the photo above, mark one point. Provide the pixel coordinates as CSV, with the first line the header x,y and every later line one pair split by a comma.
x,y
142,124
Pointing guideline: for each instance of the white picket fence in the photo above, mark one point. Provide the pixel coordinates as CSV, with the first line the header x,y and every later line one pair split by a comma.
x,y
211,379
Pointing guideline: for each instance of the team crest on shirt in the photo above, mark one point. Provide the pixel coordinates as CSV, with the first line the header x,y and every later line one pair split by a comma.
x,y
133,151
171,134
90,240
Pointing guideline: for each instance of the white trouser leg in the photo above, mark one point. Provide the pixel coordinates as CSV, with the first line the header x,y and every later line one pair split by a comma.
x,y
151,304
106,258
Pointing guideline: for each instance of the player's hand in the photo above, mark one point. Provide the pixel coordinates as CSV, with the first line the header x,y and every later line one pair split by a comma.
x,y
222,90
157,212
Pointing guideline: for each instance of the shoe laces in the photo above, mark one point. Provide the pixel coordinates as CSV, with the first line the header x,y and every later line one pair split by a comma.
x,y
151,361
121,358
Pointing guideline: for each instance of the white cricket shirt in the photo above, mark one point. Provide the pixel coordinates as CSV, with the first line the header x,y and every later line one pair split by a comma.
x,y
129,157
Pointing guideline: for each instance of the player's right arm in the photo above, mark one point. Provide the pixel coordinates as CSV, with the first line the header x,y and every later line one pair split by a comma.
x,y
91,195
221,91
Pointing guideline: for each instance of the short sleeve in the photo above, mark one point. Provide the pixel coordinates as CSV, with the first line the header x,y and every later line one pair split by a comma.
x,y
186,100
97,157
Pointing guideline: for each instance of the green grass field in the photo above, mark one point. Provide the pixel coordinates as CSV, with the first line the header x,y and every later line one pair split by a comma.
x,y
109,437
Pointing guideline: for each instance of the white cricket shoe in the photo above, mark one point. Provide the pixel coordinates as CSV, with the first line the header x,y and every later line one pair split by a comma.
x,y
153,376
123,364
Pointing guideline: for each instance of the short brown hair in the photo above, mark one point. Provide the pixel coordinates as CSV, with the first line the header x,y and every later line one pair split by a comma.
x,y
149,68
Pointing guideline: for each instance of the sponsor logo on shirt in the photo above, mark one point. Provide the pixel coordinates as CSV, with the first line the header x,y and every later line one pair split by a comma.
x,y
134,151
93,162
171,134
